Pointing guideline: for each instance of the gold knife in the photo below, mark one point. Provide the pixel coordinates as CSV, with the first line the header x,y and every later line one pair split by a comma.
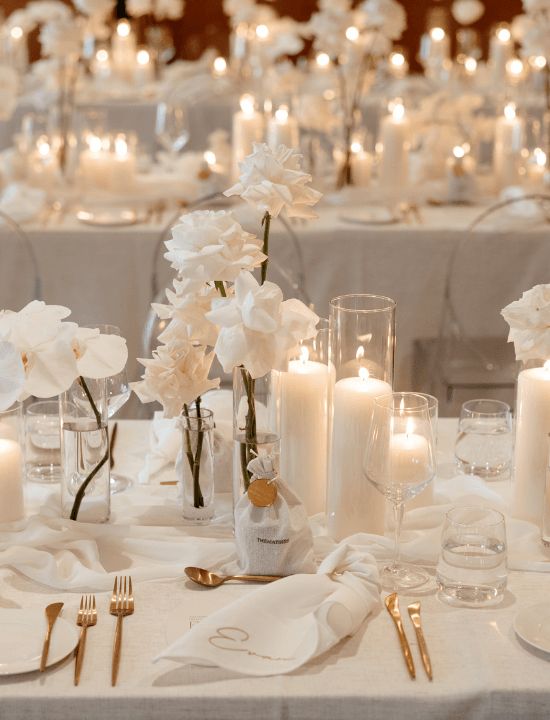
x,y
392,606
52,611
414,614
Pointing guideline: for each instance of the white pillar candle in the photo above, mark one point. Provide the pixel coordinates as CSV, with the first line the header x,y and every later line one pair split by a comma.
x,y
123,165
460,176
282,129
219,67
532,428
361,165
144,71
536,169
398,65
304,430
248,128
94,163
355,504
394,138
501,48
43,165
11,481
17,49
124,50
508,146
101,65
409,460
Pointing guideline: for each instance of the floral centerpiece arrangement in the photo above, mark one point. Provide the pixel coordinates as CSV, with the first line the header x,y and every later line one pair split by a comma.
x,y
355,40
42,355
216,302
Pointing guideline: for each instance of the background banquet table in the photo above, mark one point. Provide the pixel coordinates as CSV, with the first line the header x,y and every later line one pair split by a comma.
x,y
105,274
481,669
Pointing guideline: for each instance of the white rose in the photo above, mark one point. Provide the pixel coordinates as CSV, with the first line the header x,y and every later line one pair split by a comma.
x,y
529,320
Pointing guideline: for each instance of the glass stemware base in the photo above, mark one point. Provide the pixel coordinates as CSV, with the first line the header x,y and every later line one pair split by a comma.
x,y
399,576
119,483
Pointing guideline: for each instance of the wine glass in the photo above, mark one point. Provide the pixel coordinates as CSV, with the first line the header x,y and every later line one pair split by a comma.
x,y
118,394
399,462
172,123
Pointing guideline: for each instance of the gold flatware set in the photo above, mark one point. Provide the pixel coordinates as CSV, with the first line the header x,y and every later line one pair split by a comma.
x,y
121,605
392,606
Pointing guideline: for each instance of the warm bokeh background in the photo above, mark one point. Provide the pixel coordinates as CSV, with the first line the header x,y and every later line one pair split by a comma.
x,y
205,23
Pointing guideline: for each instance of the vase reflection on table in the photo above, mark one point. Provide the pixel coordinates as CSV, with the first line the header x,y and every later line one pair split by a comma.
x,y
399,462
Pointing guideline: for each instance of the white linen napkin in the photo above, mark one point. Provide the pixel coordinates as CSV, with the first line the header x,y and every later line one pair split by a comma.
x,y
280,627
22,202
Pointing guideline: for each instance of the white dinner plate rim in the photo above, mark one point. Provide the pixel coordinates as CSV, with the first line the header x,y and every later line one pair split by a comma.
x,y
37,616
529,615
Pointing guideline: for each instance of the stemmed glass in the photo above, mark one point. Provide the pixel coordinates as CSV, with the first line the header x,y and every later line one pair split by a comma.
x,y
118,394
399,462
172,123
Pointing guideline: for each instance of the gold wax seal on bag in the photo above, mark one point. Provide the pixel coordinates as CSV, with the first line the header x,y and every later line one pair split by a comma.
x,y
262,492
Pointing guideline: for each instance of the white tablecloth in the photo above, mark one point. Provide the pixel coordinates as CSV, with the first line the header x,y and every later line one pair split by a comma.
x,y
104,274
481,669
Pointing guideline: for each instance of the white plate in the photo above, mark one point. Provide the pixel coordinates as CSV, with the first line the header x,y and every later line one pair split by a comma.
x,y
532,624
369,216
22,633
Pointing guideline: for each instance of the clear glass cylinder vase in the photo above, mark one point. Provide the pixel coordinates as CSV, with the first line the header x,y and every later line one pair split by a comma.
x,y
85,491
531,441
255,423
362,352
11,464
197,465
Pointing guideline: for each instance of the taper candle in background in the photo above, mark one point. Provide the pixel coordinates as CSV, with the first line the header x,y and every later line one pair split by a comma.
x,y
11,464
532,428
248,128
395,141
123,50
461,183
362,354
501,50
508,146
282,129
304,399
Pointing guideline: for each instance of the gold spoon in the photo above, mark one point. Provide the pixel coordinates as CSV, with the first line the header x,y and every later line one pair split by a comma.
x,y
52,611
210,579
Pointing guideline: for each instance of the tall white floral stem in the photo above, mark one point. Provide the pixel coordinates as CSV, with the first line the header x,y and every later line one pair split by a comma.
x,y
266,223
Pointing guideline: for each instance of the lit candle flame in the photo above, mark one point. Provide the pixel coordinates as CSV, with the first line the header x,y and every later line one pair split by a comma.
x,y
470,64
504,35
402,406
16,32
143,57
102,55
247,104
410,427
352,33
360,354
540,157
123,28
398,110
547,366
262,32
437,34
281,114
514,67
220,65
459,152
121,146
539,61
95,144
364,374
304,354
43,148
510,111
356,147
209,157
397,59
322,59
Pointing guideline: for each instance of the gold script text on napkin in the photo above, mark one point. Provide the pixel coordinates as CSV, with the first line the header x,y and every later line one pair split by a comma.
x,y
237,635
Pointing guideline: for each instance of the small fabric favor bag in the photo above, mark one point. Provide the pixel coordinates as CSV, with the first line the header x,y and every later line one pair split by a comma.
x,y
272,530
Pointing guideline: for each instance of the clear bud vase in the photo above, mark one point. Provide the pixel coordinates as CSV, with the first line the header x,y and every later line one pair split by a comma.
x,y
255,424
197,465
85,490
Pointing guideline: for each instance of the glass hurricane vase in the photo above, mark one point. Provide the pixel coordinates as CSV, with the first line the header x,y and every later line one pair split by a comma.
x,y
197,465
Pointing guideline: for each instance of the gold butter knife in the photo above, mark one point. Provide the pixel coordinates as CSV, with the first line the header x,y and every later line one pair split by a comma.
x,y
414,614
52,611
392,606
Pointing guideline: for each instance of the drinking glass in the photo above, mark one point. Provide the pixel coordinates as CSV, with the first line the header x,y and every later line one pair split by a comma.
x,y
399,462
118,394
43,442
484,442
472,565
172,122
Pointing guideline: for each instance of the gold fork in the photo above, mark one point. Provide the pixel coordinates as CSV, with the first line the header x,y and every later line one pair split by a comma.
x,y
122,604
87,617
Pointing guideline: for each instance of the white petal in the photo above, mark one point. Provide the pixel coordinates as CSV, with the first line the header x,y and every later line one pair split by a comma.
x,y
12,375
102,356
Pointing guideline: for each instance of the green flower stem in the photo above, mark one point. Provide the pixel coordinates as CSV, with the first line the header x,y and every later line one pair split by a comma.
x,y
82,489
249,449
266,223
220,287
198,500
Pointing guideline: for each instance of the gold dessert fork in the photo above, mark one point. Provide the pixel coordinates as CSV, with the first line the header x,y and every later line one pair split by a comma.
x,y
87,617
122,604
